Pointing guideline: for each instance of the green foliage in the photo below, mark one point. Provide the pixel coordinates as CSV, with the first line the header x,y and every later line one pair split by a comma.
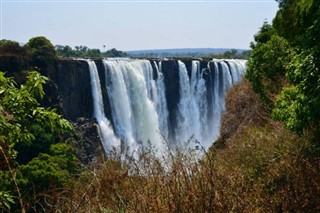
x,y
265,33
5,200
114,53
233,53
43,52
22,110
83,51
10,47
263,74
48,171
14,58
43,172
268,65
38,53
298,106
292,58
229,54
294,18
65,153
289,108
23,123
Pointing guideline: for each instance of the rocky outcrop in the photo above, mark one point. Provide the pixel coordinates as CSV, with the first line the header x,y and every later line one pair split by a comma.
x,y
105,97
170,70
72,78
87,142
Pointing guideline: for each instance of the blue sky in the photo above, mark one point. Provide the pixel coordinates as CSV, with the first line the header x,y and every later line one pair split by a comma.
x,y
137,24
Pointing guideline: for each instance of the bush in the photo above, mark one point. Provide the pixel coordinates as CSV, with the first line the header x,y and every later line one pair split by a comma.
x,y
267,67
43,53
14,58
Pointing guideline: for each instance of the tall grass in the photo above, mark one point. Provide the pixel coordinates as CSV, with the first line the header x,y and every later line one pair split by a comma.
x,y
256,166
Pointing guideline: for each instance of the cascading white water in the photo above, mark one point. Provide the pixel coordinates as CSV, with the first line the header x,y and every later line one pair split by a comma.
x,y
226,82
138,100
192,106
217,105
222,82
120,105
236,69
185,118
200,104
131,90
161,103
106,133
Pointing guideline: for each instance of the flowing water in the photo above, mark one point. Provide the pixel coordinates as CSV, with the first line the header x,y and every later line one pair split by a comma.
x,y
138,100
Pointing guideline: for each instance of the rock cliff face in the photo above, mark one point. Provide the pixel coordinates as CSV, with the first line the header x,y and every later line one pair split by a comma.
x,y
89,149
170,70
73,82
105,98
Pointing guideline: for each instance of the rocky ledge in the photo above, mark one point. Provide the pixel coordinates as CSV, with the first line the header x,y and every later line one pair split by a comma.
x,y
87,142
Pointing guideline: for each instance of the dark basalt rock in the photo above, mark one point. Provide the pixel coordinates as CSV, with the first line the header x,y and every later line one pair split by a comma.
x,y
86,141
170,70
154,73
105,97
209,79
51,98
188,63
72,78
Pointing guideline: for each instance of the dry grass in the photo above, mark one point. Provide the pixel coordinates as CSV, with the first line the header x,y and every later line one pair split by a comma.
x,y
243,110
261,168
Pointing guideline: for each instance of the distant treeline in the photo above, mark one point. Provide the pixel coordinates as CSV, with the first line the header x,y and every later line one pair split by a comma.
x,y
83,51
39,53
232,53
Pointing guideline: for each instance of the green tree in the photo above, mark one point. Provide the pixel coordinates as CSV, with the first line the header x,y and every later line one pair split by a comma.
x,y
286,60
49,170
19,112
298,105
294,17
43,53
114,53
264,34
8,47
14,58
268,65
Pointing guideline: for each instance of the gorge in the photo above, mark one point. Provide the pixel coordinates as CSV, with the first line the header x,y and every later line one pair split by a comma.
x,y
139,102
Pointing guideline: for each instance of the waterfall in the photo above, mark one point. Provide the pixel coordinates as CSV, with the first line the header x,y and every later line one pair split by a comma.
x,y
161,103
108,139
184,119
138,93
132,93
200,103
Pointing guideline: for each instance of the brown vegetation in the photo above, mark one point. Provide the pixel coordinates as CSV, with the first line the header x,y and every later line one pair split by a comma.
x,y
243,110
261,168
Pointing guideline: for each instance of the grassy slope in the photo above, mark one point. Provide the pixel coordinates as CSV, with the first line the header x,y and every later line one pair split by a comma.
x,y
262,166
